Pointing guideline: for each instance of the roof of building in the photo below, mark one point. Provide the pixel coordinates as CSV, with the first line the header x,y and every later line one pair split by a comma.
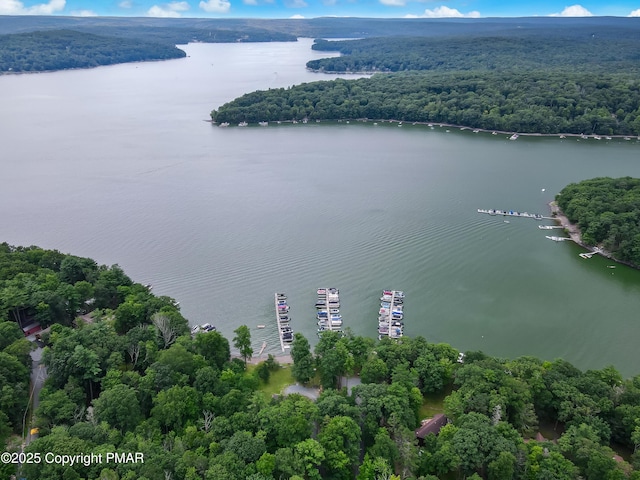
x,y
432,425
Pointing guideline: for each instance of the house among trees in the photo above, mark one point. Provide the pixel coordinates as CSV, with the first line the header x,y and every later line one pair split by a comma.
x,y
431,426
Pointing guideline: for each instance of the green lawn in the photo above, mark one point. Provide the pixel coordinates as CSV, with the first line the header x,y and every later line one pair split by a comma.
x,y
433,403
278,381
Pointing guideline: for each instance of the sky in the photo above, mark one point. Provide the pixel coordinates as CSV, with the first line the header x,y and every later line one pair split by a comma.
x,y
322,8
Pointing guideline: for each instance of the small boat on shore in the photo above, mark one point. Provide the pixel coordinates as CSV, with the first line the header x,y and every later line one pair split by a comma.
x,y
204,328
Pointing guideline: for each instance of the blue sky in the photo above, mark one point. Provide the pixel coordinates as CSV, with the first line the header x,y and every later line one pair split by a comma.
x,y
319,8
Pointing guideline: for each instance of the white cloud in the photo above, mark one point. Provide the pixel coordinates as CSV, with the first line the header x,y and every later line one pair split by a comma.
x,y
250,2
168,10
16,7
157,11
393,3
635,13
126,4
446,12
179,6
573,11
216,6
297,17
297,4
84,13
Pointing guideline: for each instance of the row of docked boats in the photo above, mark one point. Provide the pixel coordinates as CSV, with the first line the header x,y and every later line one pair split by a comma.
x,y
391,314
328,310
284,320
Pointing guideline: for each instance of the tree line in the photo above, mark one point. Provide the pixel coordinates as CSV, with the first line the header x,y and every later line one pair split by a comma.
x,y
196,412
568,50
63,49
528,102
607,211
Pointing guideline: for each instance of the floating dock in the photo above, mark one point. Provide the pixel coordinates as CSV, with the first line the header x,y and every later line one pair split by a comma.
x,y
549,227
328,310
285,332
558,239
391,314
513,213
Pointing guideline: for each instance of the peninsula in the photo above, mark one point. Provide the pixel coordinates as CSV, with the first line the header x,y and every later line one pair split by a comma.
x,y
603,213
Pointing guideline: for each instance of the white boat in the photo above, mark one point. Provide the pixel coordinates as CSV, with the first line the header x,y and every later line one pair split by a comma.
x,y
263,124
243,124
514,136
224,124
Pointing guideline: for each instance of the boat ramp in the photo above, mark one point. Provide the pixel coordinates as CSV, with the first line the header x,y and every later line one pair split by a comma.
x,y
328,310
285,332
391,314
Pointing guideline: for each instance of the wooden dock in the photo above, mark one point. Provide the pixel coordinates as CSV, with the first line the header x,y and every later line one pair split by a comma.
x,y
392,331
558,239
513,213
331,298
279,297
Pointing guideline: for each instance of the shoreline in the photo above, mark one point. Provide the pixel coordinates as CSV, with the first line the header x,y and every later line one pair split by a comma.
x,y
562,136
576,236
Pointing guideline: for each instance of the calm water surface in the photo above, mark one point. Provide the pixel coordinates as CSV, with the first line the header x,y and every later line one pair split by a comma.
x,y
119,164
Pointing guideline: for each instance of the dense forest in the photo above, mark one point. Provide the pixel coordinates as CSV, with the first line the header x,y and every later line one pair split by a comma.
x,y
607,211
62,49
133,379
578,51
535,102
524,76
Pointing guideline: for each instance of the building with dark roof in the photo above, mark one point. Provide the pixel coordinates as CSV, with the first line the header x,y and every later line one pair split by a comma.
x,y
431,426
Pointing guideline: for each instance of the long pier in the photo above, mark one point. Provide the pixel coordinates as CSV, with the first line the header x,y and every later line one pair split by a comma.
x,y
282,313
558,239
328,310
513,213
391,318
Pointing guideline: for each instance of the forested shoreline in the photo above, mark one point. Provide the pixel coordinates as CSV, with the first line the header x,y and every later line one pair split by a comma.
x,y
607,212
65,49
527,102
537,80
195,412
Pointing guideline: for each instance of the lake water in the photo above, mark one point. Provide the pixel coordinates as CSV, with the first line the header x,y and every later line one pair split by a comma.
x,y
119,164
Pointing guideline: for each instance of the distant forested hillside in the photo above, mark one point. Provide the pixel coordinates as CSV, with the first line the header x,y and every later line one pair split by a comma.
x,y
578,50
63,49
607,210
535,102
334,27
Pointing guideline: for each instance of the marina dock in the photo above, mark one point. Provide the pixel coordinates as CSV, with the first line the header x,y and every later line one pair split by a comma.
x,y
285,332
513,213
391,314
328,310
